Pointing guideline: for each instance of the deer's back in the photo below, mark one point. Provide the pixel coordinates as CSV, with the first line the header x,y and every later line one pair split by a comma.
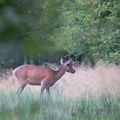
x,y
33,72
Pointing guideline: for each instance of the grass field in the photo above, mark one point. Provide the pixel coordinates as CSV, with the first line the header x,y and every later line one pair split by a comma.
x,y
31,106
89,94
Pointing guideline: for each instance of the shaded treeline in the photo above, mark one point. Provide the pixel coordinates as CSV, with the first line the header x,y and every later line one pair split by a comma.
x,y
37,31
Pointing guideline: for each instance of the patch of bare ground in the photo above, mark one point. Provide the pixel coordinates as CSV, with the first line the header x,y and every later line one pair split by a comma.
x,y
86,82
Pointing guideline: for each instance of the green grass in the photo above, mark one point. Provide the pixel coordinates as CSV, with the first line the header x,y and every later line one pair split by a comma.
x,y
31,106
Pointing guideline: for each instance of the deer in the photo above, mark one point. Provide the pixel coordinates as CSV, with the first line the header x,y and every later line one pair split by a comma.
x,y
41,75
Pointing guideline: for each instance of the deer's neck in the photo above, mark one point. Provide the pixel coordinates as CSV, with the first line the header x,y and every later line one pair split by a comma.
x,y
60,72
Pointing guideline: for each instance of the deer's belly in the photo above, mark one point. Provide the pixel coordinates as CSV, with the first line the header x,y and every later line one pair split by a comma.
x,y
34,82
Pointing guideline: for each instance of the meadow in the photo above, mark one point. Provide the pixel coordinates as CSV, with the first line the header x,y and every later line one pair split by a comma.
x,y
89,94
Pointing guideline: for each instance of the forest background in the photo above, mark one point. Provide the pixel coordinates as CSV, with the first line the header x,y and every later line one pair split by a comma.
x,y
42,31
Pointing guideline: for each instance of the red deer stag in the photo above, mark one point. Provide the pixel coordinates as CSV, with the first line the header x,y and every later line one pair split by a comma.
x,y
38,75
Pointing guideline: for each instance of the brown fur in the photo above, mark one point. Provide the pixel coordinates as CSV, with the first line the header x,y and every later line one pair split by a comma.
x,y
37,75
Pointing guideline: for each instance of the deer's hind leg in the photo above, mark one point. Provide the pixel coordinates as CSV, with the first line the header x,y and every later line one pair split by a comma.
x,y
22,85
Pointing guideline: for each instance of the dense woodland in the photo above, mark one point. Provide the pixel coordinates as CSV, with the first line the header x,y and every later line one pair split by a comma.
x,y
39,31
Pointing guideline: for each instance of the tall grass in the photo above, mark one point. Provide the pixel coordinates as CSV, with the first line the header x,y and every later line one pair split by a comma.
x,y
87,81
30,106
89,94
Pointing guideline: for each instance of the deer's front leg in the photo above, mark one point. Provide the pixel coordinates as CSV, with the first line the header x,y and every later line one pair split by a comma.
x,y
48,90
42,90
43,86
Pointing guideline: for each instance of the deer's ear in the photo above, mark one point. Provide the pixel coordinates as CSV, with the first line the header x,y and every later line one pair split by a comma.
x,y
69,61
61,61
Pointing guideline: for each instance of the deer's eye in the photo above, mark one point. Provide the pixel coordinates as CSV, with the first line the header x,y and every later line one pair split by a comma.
x,y
68,65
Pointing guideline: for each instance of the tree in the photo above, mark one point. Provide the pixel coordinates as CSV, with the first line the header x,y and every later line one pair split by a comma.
x,y
90,27
25,29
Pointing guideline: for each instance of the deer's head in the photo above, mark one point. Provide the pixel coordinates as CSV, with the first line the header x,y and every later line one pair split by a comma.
x,y
68,65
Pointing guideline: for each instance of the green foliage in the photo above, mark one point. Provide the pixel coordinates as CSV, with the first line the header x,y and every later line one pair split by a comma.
x,y
25,28
29,29
91,27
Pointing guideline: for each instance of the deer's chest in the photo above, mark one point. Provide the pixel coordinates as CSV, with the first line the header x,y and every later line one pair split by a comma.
x,y
51,83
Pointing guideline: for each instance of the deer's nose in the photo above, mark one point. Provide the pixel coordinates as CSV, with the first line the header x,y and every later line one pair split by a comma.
x,y
73,71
